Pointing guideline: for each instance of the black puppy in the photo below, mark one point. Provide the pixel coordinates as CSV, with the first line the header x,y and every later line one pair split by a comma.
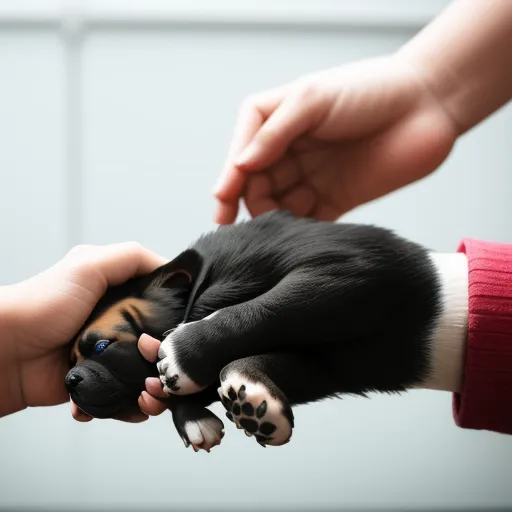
x,y
271,313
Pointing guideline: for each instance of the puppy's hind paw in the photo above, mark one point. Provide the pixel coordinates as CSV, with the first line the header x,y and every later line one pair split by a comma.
x,y
202,433
253,407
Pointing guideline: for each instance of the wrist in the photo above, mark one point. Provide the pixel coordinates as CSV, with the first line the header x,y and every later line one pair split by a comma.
x,y
449,337
11,394
463,58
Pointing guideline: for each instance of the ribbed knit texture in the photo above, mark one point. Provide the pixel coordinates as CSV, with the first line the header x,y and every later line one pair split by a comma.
x,y
485,402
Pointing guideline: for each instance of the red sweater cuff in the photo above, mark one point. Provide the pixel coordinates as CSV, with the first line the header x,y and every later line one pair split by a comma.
x,y
485,402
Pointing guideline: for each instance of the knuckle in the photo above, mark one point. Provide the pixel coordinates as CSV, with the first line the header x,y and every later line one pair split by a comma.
x,y
249,104
306,90
132,244
80,261
255,101
80,250
133,247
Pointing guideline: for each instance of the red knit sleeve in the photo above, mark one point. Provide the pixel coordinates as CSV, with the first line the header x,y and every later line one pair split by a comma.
x,y
485,402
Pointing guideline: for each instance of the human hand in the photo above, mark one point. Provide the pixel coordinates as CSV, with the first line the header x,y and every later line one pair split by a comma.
x,y
42,314
333,140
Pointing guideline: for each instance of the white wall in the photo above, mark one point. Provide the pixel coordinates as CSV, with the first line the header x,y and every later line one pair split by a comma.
x,y
114,123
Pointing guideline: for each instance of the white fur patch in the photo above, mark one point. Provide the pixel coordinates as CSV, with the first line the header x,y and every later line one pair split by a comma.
x,y
450,334
255,394
170,371
204,434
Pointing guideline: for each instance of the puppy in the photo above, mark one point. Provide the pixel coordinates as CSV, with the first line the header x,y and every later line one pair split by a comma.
x,y
268,314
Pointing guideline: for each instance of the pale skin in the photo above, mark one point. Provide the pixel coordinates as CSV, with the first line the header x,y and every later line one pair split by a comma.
x,y
331,141
319,146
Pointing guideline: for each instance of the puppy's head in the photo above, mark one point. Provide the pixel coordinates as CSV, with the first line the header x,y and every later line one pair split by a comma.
x,y
109,372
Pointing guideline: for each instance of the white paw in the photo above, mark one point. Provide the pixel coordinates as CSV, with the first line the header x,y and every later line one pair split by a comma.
x,y
174,380
203,434
251,406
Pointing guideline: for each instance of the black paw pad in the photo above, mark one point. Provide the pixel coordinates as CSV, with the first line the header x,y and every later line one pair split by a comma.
x,y
249,425
172,383
232,394
249,409
261,410
241,393
267,428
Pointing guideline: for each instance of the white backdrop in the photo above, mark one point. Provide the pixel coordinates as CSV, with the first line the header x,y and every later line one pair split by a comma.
x,y
115,118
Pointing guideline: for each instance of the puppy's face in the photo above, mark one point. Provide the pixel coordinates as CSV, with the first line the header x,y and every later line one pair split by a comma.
x,y
109,372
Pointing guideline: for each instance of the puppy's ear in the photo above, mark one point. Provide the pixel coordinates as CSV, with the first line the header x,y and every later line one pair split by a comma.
x,y
181,272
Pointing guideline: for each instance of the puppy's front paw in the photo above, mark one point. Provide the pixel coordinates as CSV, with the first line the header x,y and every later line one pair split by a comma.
x,y
255,409
188,344
174,379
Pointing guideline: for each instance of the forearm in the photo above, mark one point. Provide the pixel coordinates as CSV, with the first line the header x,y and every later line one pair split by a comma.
x,y
465,58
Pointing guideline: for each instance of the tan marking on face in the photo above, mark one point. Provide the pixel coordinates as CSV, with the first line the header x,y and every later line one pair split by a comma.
x,y
106,322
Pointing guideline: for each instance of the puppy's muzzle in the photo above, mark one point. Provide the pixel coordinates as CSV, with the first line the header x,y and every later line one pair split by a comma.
x,y
73,378
95,390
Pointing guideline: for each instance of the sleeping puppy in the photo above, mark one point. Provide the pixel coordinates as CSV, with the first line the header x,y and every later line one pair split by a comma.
x,y
109,372
268,314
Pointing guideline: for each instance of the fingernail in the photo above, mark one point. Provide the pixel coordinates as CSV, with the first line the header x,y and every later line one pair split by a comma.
x,y
144,336
248,154
217,186
152,381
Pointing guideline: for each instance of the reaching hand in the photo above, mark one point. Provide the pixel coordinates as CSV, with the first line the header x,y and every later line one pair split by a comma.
x,y
333,140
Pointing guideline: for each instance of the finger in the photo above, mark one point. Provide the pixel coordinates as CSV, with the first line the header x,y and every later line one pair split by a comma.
x,y
120,262
99,267
285,175
226,212
301,201
231,183
77,414
154,387
325,212
296,114
137,417
150,405
258,198
148,347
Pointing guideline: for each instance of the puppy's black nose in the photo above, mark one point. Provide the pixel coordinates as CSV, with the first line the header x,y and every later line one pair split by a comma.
x,y
72,380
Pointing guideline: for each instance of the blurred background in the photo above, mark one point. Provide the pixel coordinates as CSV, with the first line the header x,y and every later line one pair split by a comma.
x,y
115,118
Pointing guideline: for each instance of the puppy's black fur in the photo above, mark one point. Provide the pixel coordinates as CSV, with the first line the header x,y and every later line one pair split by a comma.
x,y
310,309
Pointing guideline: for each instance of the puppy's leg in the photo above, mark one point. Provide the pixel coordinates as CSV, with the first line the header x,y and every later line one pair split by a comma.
x,y
258,391
289,315
196,425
